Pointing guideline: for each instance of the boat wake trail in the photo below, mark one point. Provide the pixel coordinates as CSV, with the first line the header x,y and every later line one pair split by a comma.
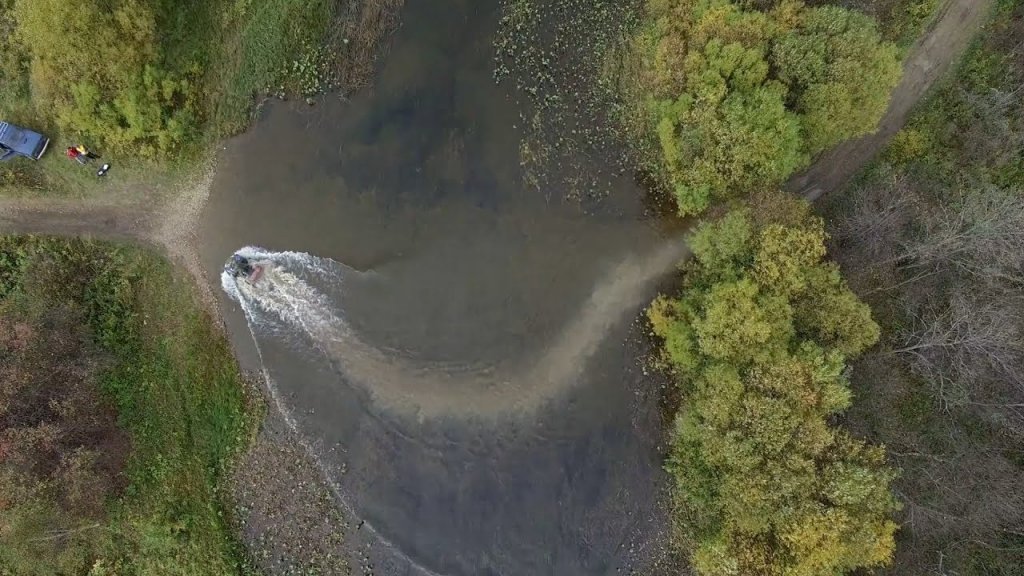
x,y
292,298
286,295
296,302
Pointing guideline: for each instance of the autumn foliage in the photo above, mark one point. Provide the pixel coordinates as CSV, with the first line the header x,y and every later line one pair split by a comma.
x,y
758,341
739,99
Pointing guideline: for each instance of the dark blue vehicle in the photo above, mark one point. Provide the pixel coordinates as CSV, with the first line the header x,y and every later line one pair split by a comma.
x,y
18,141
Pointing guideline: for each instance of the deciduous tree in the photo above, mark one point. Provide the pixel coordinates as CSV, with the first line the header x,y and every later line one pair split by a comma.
x,y
840,74
764,484
742,98
96,66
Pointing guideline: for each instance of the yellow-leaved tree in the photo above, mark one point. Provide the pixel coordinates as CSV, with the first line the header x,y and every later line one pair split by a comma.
x,y
759,338
739,98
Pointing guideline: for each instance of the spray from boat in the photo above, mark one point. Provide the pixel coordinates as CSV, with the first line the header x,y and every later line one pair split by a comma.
x,y
290,290
248,277
280,286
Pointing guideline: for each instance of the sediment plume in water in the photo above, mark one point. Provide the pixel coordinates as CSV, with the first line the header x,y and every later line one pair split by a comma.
x,y
287,294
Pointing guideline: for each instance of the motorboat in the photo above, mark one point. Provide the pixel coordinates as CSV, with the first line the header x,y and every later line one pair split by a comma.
x,y
239,266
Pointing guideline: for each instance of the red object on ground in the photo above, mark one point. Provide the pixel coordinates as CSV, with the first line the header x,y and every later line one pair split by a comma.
x,y
73,153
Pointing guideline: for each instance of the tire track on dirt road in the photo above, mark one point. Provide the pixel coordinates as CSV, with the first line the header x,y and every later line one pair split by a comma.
x,y
154,218
167,221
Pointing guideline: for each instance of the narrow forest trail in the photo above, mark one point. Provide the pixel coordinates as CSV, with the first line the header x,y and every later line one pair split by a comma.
x,y
170,224
931,56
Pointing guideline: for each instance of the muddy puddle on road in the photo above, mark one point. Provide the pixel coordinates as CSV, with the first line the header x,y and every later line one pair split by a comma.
x,y
472,389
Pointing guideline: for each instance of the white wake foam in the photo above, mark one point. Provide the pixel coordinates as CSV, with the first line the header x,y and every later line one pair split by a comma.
x,y
288,292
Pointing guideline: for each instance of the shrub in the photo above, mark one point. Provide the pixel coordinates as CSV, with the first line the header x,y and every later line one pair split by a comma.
x,y
839,72
60,449
96,67
908,144
102,349
758,340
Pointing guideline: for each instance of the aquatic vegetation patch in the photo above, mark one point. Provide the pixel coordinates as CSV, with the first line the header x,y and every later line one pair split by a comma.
x,y
556,55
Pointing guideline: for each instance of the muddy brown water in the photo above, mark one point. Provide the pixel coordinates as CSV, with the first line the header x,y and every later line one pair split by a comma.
x,y
458,266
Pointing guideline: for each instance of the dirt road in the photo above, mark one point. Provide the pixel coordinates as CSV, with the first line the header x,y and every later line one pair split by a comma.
x,y
934,53
170,224
76,218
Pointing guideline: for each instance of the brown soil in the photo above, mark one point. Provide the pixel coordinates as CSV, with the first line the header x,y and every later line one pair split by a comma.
x,y
938,49
286,512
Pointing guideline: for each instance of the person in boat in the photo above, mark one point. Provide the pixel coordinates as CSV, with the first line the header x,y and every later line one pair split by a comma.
x,y
240,266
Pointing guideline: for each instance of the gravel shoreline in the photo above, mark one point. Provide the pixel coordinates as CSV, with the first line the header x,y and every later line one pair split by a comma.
x,y
284,508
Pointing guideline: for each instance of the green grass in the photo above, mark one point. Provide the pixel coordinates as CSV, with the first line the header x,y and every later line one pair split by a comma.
x,y
178,394
57,176
267,37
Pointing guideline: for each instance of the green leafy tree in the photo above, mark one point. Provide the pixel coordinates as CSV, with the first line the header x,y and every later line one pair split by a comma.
x,y
738,323
95,68
830,313
722,121
785,254
723,246
758,340
840,74
739,99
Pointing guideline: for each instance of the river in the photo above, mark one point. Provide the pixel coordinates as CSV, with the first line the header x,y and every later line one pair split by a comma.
x,y
510,429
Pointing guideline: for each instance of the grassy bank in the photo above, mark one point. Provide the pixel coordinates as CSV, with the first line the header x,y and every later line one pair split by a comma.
x,y
931,237
145,494
150,84
271,47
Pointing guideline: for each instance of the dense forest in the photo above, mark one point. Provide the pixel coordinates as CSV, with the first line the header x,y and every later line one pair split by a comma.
x,y
929,236
932,236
